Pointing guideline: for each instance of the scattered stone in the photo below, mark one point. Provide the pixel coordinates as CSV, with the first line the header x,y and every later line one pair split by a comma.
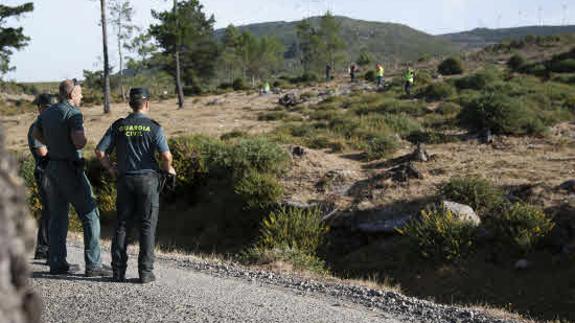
x,y
332,179
486,137
463,212
388,225
289,100
420,154
276,90
216,101
522,264
568,186
405,172
298,151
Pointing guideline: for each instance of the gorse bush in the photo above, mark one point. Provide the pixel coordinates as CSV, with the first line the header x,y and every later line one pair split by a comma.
x,y
292,235
476,192
440,236
450,66
522,226
293,228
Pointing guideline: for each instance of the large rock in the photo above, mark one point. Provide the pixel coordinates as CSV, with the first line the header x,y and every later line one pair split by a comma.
x,y
463,212
289,100
18,303
568,186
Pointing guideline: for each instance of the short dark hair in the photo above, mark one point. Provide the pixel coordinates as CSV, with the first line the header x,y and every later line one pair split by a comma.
x,y
138,104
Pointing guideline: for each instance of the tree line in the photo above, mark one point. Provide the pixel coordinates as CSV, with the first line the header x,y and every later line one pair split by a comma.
x,y
182,43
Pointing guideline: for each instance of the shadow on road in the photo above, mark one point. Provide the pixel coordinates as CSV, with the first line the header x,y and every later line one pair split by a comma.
x,y
77,278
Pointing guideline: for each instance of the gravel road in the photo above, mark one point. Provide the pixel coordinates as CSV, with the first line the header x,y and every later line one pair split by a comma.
x,y
193,290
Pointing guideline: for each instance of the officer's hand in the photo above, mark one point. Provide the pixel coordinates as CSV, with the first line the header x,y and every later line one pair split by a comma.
x,y
113,172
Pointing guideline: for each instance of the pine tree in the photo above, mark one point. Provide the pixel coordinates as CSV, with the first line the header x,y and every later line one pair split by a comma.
x,y
11,38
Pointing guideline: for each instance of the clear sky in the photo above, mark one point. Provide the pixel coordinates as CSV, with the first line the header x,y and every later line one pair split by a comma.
x,y
66,38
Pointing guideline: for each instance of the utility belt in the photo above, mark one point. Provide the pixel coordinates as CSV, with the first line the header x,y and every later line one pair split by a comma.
x,y
78,164
165,179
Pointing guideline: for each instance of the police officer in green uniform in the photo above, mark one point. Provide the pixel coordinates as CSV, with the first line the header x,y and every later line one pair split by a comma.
x,y
61,128
39,153
136,139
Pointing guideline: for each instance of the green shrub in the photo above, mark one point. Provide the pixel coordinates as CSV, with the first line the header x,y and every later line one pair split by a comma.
x,y
440,236
430,137
522,226
476,192
477,81
273,116
259,190
27,167
300,261
438,91
369,76
516,62
448,108
292,235
381,146
258,154
450,66
502,114
235,134
402,124
423,78
536,69
239,85
194,157
305,78
563,66
293,228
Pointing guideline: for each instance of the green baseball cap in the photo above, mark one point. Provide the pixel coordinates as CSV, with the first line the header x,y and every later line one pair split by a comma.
x,y
45,99
139,93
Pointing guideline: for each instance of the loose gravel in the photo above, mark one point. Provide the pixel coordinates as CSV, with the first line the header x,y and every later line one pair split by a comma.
x,y
191,289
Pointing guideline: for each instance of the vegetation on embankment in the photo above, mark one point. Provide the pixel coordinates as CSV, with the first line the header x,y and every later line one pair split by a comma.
x,y
229,195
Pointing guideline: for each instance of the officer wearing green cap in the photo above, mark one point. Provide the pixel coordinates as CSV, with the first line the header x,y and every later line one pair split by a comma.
x,y
61,128
39,153
136,139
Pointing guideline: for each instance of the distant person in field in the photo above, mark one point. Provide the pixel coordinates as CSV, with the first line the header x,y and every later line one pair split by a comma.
x,y
409,78
328,69
352,71
379,72
136,139
61,129
40,154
